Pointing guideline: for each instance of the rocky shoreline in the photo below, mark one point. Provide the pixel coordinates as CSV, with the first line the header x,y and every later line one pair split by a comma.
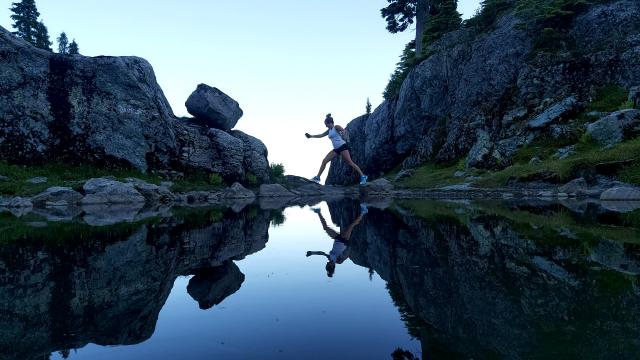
x,y
135,199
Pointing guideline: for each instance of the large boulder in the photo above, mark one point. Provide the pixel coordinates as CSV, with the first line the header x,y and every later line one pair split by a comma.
x,y
106,110
615,127
213,107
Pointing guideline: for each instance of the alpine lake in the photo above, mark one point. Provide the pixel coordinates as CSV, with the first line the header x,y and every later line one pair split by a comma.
x,y
391,279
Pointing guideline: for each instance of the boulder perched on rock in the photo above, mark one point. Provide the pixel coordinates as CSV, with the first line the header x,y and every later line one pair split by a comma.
x,y
615,127
214,108
107,191
111,111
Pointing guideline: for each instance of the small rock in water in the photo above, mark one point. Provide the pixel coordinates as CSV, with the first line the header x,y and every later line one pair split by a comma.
x,y
4,178
37,180
459,173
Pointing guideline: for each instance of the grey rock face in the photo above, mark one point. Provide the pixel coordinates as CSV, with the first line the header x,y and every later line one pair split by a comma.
x,y
213,107
616,127
106,191
493,83
103,109
58,196
255,154
274,190
232,155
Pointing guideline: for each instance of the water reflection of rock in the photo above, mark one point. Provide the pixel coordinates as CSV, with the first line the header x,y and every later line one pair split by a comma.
x,y
476,286
109,289
210,286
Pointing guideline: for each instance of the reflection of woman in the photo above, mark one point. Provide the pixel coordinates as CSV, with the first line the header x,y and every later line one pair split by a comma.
x,y
340,251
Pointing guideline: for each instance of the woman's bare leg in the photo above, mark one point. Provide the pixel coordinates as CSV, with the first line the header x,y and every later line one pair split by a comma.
x,y
330,156
347,157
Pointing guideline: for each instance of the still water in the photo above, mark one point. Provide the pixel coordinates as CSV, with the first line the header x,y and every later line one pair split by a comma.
x,y
400,280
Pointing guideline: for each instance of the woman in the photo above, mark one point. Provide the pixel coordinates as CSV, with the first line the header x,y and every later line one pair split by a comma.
x,y
340,147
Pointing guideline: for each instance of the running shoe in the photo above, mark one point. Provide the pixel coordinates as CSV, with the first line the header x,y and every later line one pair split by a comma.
x,y
316,179
363,179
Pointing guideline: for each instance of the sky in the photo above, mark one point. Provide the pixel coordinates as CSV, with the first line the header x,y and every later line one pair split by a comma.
x,y
287,62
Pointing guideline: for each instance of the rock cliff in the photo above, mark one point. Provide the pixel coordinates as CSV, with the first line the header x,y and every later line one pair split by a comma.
x,y
485,95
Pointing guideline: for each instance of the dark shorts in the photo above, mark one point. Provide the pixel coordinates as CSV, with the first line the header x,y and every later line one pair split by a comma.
x,y
341,149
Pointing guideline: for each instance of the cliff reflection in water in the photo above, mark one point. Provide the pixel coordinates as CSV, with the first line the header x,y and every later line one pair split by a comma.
x,y
533,281
109,289
495,280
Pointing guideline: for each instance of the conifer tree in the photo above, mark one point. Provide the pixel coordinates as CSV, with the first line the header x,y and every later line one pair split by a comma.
x,y
73,48
400,14
368,107
443,18
42,37
63,43
25,19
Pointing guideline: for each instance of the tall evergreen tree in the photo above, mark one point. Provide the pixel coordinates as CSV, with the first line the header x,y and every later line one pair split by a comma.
x,y
63,43
444,17
42,37
400,14
25,19
73,48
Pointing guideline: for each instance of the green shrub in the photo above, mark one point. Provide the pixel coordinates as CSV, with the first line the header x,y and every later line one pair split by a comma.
x,y
609,98
626,105
489,11
251,179
215,179
276,172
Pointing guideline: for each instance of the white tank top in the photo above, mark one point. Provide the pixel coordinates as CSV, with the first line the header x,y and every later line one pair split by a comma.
x,y
335,137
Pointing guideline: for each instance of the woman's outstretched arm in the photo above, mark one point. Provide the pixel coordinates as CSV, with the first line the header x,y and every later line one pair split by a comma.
x,y
317,136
